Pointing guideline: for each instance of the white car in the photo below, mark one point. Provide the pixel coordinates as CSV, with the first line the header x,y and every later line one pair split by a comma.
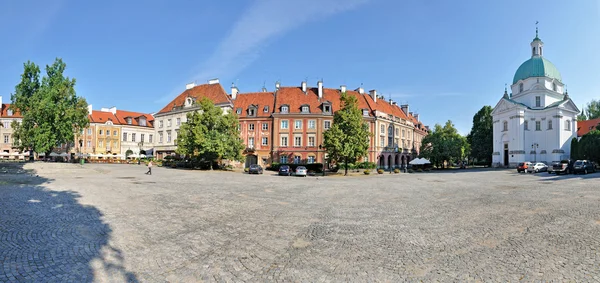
x,y
537,167
301,171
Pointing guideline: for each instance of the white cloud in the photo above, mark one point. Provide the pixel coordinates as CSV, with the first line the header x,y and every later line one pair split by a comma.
x,y
261,22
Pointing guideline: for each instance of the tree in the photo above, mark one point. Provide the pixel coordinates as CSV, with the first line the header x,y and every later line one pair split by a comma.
x,y
348,138
52,112
210,135
574,149
590,111
444,144
481,136
588,146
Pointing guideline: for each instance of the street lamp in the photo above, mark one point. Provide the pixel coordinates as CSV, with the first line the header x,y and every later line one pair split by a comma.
x,y
534,146
323,154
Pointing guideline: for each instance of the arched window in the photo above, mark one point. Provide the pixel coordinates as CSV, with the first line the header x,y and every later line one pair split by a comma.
x,y
554,86
526,124
540,51
521,87
533,51
567,125
549,124
505,126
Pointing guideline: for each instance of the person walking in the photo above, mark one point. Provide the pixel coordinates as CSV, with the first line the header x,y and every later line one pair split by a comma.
x,y
149,168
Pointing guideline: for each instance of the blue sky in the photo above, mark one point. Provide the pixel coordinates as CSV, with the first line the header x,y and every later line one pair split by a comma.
x,y
445,58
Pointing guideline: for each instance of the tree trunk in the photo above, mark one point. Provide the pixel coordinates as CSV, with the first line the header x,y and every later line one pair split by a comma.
x,y
346,166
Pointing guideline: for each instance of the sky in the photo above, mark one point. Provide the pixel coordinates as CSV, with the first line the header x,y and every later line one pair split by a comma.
x,y
446,59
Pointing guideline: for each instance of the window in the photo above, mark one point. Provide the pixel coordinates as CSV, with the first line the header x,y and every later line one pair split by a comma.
x,y
526,125
283,159
142,122
6,138
160,123
554,87
265,126
538,125
297,159
297,141
311,159
311,141
251,112
382,142
100,132
160,137
168,136
284,109
538,101
266,109
284,124
238,111
284,141
6,124
521,87
142,137
397,132
327,125
505,126
100,143
89,131
549,124
251,142
312,124
365,112
326,108
382,129
305,109
265,141
168,122
250,127
150,138
133,137
403,133
124,137
176,135
178,122
567,125
9,112
108,132
298,124
115,144
128,120
89,143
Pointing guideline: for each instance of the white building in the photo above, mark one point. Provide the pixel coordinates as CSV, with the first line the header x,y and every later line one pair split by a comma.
x,y
537,121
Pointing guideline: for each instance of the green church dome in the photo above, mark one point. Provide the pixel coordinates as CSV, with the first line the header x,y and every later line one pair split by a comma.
x,y
537,66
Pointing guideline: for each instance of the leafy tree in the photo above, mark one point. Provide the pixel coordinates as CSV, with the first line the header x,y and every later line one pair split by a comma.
x,y
348,138
590,111
210,135
52,112
444,144
481,136
588,146
575,149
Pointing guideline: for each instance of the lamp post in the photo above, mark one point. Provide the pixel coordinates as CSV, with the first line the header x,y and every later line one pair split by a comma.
x,y
140,144
323,154
534,146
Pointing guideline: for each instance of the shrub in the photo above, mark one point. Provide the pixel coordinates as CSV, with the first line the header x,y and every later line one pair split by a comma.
x,y
367,172
410,171
366,165
396,170
380,171
246,169
419,170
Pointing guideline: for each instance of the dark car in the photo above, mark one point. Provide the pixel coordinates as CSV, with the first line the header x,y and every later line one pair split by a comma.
x,y
255,169
522,166
583,166
285,170
564,166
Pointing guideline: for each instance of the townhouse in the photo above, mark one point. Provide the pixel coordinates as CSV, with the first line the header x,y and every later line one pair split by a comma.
x,y
7,117
137,132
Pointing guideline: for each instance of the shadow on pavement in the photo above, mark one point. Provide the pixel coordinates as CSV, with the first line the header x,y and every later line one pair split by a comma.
x,y
49,236
553,177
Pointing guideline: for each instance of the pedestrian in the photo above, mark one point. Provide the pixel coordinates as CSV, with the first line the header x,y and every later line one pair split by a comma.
x,y
149,168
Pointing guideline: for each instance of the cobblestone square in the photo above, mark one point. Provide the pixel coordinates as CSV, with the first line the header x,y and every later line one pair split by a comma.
x,y
112,223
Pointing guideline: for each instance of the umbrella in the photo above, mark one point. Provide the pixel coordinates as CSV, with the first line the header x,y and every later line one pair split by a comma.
x,y
42,154
416,161
54,154
425,161
142,155
4,153
135,155
64,154
14,153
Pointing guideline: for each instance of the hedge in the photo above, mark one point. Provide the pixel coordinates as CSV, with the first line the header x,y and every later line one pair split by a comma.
x,y
315,167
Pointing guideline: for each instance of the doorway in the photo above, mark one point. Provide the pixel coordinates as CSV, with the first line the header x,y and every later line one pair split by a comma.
x,y
251,160
505,154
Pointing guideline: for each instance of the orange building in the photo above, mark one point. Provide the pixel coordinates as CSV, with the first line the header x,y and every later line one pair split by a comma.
x,y
254,113
584,127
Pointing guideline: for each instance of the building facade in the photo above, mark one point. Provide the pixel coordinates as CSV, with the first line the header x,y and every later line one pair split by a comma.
x,y
137,132
537,121
7,117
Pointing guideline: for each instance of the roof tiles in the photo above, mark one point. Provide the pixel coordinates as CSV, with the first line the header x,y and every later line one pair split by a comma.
x,y
214,92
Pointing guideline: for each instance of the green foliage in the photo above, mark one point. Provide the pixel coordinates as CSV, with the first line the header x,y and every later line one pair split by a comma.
x,y
366,165
348,138
480,138
575,149
396,170
590,111
367,172
210,135
444,144
380,171
587,147
52,112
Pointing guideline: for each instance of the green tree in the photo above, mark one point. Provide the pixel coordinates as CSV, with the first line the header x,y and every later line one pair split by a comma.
x,y
590,111
575,149
481,136
348,138
444,144
52,112
588,146
210,135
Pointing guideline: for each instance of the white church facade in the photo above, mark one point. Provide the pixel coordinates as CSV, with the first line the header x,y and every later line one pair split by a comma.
x,y
537,121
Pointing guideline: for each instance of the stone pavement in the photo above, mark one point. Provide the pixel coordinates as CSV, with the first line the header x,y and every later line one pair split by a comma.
x,y
112,223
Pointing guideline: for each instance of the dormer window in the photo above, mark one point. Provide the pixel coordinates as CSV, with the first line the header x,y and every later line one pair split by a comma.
x,y
284,109
251,112
266,109
188,102
142,122
238,111
305,109
128,120
365,112
326,108
9,112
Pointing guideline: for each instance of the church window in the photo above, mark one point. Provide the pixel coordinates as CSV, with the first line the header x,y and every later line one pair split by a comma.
x,y
538,125
554,87
505,126
526,125
549,124
540,51
567,125
521,87
538,101
533,51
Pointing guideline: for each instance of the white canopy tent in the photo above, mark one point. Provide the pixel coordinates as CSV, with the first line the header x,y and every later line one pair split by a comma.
x,y
419,161
54,154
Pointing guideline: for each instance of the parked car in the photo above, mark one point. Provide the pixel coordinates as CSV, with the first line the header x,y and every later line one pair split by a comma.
x,y
583,166
255,169
522,167
564,166
551,167
301,171
285,170
537,167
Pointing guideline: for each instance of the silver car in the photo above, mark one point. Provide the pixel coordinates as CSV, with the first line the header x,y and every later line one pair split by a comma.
x,y
537,167
301,171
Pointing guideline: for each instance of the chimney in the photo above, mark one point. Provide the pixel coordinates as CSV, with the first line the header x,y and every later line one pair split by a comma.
x,y
113,110
213,81
190,86
89,109
277,85
234,91
373,94
394,103
360,90
303,85
320,89
404,108
342,88
417,117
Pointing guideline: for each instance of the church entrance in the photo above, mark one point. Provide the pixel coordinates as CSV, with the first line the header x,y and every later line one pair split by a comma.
x,y
505,154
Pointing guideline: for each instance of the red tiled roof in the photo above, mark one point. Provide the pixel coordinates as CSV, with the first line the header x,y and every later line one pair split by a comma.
x,y
583,127
386,107
122,115
102,117
259,99
294,97
214,92
4,112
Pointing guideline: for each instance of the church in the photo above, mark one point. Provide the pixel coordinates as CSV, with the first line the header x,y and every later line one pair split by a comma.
x,y
537,120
